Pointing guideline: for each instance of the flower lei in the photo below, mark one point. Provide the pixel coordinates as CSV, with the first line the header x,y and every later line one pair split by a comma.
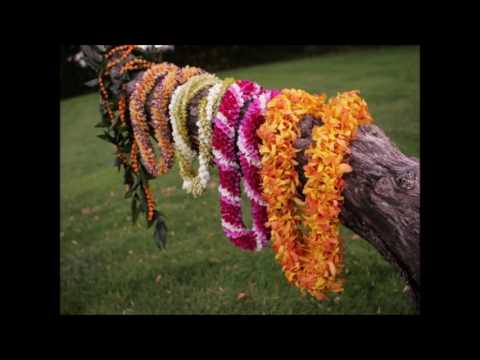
x,y
225,153
139,118
192,182
159,119
311,261
208,107
250,162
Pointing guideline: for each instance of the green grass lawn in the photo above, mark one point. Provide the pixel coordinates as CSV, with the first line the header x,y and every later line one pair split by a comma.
x,y
109,266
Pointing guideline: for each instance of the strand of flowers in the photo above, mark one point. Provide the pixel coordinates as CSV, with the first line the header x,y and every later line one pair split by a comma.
x,y
250,162
312,262
207,110
127,50
178,115
280,181
110,64
159,110
225,152
150,202
135,64
139,118
134,158
324,186
116,49
122,107
157,118
104,98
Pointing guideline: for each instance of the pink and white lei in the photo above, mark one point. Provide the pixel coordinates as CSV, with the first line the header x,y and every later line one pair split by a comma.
x,y
250,162
229,164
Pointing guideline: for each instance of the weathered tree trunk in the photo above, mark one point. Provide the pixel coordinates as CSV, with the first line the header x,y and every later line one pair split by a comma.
x,y
382,202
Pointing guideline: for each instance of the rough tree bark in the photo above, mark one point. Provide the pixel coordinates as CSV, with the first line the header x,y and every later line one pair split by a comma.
x,y
382,202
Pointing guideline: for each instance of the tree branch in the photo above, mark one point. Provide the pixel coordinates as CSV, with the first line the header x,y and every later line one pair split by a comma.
x,y
382,202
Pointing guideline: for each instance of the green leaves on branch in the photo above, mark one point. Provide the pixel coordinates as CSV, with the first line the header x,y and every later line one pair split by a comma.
x,y
107,137
160,233
135,209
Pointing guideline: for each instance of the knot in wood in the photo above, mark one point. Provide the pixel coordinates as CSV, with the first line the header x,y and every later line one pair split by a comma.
x,y
384,186
407,179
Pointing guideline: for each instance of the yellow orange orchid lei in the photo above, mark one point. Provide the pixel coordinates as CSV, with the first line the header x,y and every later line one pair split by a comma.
x,y
312,261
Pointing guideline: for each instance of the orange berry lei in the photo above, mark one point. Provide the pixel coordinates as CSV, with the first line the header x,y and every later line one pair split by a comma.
x,y
135,64
127,50
150,202
312,260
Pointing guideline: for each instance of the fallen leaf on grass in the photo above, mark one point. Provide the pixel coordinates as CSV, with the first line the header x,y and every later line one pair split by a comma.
x,y
87,211
242,296
158,278
168,191
355,237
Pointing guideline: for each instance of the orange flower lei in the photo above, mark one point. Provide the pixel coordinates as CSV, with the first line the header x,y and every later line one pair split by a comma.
x,y
313,260
139,119
159,111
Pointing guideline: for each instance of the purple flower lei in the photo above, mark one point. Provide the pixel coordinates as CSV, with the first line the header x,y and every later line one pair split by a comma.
x,y
230,163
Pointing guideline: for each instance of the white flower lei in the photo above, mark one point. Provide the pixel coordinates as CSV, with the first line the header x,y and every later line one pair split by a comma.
x,y
192,183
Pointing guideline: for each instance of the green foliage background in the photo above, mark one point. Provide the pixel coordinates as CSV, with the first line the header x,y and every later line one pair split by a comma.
x,y
109,266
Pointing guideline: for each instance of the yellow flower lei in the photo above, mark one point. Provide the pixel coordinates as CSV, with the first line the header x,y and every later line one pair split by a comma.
x,y
184,151
313,260
206,116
